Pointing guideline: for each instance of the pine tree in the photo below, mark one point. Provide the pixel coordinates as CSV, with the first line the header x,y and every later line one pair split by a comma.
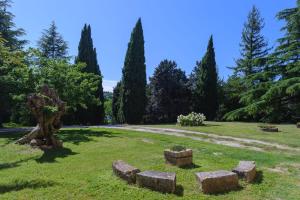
x,y
252,69
169,93
87,54
278,96
52,44
205,94
133,98
8,32
254,47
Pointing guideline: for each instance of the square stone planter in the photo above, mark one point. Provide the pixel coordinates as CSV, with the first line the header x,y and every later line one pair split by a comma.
x,y
179,158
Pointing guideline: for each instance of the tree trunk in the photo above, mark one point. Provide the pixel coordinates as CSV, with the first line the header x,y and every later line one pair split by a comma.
x,y
48,109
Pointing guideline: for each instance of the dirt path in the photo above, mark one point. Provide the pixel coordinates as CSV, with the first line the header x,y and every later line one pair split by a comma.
x,y
244,143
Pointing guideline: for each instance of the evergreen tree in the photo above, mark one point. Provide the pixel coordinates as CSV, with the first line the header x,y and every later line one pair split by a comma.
x,y
116,103
133,97
52,44
254,47
251,68
87,54
276,97
169,93
8,32
205,93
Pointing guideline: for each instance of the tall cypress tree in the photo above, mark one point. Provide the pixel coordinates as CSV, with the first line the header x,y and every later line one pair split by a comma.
x,y
52,44
87,54
8,32
205,94
133,98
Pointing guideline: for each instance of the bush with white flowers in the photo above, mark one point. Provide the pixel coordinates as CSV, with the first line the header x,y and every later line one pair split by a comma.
x,y
192,119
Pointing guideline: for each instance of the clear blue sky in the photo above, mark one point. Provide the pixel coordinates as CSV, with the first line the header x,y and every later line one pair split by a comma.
x,y
173,29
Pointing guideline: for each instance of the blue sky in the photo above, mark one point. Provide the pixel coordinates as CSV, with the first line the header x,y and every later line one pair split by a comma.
x,y
173,29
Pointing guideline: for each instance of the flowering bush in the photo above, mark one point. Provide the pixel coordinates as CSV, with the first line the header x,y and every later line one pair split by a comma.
x,y
192,119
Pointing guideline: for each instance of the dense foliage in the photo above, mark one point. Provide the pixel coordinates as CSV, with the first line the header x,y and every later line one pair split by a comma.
x,y
169,94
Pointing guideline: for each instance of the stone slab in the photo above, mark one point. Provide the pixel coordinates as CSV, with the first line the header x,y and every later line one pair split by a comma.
x,y
217,181
125,171
181,158
246,170
158,181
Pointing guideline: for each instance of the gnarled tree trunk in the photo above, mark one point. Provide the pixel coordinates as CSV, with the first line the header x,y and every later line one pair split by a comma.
x,y
47,107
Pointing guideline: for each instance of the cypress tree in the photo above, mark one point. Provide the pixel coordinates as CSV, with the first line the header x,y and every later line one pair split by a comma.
x,y
205,94
133,97
8,32
52,44
87,54
116,103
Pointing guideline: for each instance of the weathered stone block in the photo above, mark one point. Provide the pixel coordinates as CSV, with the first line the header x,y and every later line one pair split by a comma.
x,y
217,181
246,170
158,181
125,171
179,158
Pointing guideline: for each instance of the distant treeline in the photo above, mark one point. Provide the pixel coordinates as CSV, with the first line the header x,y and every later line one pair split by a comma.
x,y
264,86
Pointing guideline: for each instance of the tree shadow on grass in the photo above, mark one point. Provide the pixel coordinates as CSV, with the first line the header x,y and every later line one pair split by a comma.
x,y
24,184
179,190
192,166
11,137
50,155
82,135
259,177
14,164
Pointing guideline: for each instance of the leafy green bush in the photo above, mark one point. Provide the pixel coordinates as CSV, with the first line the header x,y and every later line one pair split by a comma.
x,y
178,148
192,119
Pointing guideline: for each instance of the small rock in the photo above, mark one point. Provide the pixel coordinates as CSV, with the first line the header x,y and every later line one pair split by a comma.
x,y
246,170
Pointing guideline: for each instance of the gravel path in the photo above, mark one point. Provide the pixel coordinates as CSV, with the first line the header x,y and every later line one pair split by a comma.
x,y
244,143
252,144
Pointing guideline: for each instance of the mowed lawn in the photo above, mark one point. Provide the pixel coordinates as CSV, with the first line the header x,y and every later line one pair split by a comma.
x,y
288,134
82,169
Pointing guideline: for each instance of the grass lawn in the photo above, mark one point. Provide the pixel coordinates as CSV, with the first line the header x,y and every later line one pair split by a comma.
x,y
288,134
82,169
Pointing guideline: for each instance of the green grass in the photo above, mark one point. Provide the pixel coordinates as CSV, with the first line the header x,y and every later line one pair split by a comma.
x,y
82,169
288,134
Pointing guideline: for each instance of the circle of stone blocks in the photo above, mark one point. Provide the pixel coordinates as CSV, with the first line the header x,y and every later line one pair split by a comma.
x,y
246,170
125,171
217,181
179,158
159,181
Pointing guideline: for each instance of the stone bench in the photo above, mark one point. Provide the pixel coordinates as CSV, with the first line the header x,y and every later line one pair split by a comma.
x,y
125,171
217,181
159,181
179,158
246,170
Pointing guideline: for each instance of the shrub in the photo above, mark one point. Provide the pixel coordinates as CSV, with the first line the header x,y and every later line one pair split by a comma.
x,y
178,148
192,119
